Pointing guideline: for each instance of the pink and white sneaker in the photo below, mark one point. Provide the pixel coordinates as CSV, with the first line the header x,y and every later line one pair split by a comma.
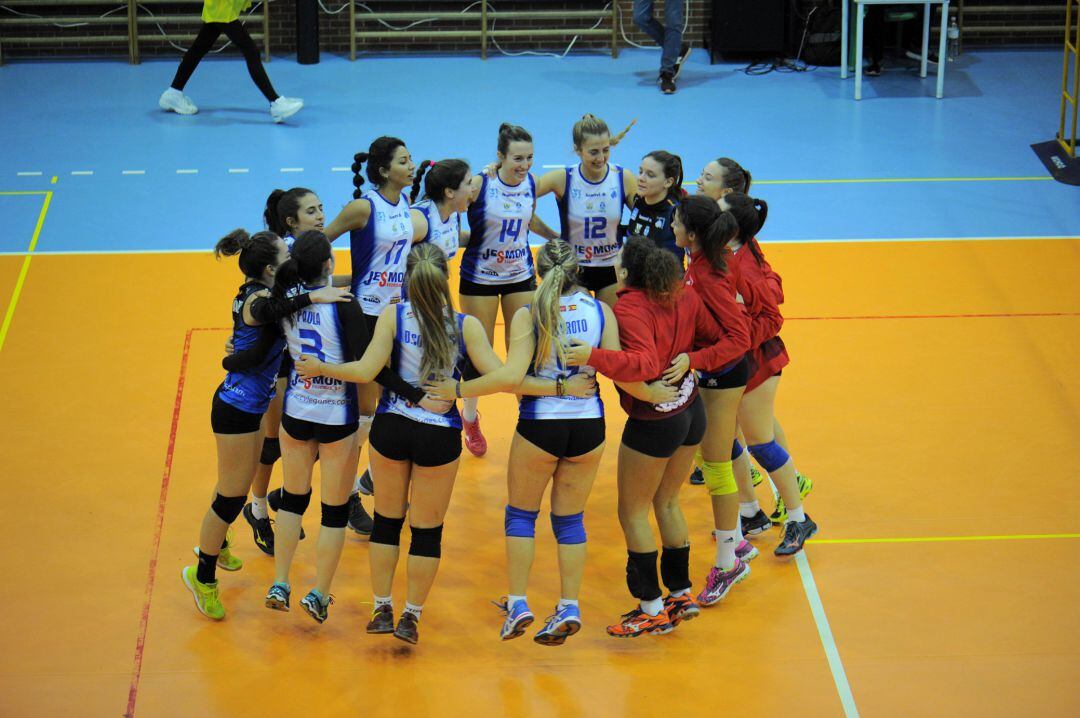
x,y
746,551
718,583
474,438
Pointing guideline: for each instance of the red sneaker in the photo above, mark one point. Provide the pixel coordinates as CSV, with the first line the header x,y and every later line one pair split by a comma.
x,y
681,608
474,438
638,622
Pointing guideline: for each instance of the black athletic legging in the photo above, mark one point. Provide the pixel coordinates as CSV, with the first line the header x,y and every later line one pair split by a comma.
x,y
208,35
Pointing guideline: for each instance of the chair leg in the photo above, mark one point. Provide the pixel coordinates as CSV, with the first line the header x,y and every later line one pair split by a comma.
x,y
860,12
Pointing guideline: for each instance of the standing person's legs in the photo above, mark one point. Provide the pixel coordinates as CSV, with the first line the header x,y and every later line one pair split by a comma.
x,y
208,35
643,18
673,32
338,464
236,32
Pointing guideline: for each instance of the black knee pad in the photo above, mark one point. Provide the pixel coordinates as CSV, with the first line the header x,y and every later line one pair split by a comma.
x,y
271,452
675,568
295,503
228,508
426,542
335,517
387,531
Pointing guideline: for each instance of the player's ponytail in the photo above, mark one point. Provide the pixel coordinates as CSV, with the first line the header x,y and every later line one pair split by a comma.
x,y
429,295
735,177
257,251
306,265
558,267
750,215
378,158
424,167
712,229
441,176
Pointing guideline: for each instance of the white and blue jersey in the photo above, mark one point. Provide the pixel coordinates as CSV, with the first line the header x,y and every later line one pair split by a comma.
x,y
498,250
444,235
583,318
317,331
590,213
379,252
405,361
251,390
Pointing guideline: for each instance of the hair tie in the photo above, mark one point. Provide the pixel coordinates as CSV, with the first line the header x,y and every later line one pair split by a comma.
x,y
431,163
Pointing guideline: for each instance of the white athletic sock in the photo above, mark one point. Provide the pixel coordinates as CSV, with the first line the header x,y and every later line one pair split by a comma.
x,y
381,601
563,602
676,594
511,600
739,538
725,549
260,509
797,515
468,409
749,509
653,607
414,610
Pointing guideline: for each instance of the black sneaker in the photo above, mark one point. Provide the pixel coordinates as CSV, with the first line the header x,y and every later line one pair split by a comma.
x,y
697,478
756,524
367,487
795,535
359,520
261,530
667,83
408,628
382,620
873,69
274,499
684,52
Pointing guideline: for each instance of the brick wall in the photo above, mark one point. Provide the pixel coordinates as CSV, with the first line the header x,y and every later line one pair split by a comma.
x,y
334,37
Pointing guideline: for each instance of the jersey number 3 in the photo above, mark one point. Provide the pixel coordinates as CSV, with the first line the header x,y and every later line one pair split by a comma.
x,y
315,347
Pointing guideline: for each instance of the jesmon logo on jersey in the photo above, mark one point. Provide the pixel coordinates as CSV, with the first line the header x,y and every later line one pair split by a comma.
x,y
600,250
505,255
384,279
316,382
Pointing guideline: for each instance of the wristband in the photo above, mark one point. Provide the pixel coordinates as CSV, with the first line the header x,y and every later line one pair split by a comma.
x,y
457,389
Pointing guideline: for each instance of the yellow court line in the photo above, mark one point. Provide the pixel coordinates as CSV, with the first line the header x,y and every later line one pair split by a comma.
x,y
25,268
26,192
930,539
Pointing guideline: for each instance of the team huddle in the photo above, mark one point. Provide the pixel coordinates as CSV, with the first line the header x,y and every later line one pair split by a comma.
x,y
677,306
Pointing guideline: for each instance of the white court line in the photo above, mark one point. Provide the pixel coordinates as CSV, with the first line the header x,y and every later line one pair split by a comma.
x,y
341,169
553,167
292,169
82,173
825,633
187,172
133,172
238,170
29,174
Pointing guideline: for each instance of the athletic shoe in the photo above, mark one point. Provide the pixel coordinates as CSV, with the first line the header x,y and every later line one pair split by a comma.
x,y
225,560
681,608
176,101
684,52
565,622
795,535
873,69
277,597
697,478
757,524
637,622
932,59
667,83
261,530
518,618
359,520
718,583
382,620
746,551
314,605
273,498
755,476
366,485
474,438
283,108
408,628
779,514
206,595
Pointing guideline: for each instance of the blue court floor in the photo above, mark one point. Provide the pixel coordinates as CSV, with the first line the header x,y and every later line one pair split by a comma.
x,y
899,164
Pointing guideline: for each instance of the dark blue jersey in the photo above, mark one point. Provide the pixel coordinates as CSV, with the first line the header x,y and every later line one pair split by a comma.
x,y
252,389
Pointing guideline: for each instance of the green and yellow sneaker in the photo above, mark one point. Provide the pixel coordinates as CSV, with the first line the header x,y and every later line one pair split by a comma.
x,y
779,514
226,560
755,476
206,595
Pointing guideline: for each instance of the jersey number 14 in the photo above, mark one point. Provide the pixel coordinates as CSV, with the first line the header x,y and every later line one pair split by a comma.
x,y
510,230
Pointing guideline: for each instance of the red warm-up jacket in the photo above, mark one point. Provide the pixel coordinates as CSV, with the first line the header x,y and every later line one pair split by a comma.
x,y
762,292
652,334
717,291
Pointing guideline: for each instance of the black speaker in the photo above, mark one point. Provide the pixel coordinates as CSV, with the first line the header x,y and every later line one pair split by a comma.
x,y
747,28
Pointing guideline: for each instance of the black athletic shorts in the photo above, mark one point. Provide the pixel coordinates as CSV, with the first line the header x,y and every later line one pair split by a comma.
x,y
302,430
596,278
472,289
735,375
227,419
286,365
563,438
402,439
661,438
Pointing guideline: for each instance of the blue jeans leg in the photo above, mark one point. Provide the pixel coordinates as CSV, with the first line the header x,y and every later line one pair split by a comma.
x,y
673,21
643,18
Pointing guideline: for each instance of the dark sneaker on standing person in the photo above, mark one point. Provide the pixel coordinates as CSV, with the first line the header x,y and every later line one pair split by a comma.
x,y
365,485
796,534
359,519
261,530
408,628
684,52
382,619
667,83
756,524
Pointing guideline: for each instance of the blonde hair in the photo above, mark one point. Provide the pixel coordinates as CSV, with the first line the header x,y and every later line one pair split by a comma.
x,y
558,266
593,125
429,294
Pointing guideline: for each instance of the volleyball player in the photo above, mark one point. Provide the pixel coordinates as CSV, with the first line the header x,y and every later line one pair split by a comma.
x,y
239,402
704,231
659,318
381,229
497,265
659,189
414,452
223,17
757,409
447,192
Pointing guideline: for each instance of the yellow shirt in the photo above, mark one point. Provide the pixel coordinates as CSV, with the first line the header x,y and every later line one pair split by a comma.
x,y
223,10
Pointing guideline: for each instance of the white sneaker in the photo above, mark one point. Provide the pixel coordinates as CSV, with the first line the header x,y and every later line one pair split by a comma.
x,y
285,107
176,101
